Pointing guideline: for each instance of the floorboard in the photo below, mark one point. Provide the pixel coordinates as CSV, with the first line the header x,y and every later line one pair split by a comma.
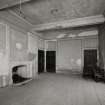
x,y
55,89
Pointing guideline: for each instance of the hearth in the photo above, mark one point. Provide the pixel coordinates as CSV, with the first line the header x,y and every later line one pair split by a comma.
x,y
20,72
18,77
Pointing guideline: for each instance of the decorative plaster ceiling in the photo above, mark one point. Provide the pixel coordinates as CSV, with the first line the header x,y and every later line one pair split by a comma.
x,y
60,15
46,11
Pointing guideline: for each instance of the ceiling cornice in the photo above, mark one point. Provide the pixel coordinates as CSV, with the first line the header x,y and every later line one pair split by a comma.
x,y
11,3
15,20
91,20
19,17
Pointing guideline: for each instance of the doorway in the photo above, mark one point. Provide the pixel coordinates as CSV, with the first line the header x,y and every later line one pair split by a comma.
x,y
90,60
40,61
51,61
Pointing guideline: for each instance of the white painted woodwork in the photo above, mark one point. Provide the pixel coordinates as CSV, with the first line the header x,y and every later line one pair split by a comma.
x,y
91,20
27,72
70,52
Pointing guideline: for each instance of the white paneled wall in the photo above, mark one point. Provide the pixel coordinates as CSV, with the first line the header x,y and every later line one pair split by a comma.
x,y
2,36
90,43
70,52
51,45
33,49
41,44
4,58
32,43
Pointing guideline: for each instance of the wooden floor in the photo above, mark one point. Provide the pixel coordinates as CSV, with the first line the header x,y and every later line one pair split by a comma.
x,y
55,89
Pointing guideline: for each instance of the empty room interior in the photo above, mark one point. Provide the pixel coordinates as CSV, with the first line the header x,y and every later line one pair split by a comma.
x,y
52,52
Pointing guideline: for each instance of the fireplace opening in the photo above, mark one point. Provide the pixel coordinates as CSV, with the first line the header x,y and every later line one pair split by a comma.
x,y
19,74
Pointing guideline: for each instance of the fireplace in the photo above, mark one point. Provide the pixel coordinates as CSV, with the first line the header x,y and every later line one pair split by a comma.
x,y
21,72
18,74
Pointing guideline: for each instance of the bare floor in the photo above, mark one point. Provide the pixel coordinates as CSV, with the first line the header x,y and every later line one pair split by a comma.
x,y
55,89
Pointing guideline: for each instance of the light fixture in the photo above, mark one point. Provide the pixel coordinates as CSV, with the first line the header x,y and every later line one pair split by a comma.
x,y
20,9
89,33
72,35
54,11
61,35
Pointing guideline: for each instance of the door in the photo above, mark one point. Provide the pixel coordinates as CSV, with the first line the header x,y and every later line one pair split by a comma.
x,y
90,60
51,61
40,61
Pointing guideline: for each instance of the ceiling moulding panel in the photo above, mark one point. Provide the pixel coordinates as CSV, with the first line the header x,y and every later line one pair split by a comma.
x,y
91,20
89,33
11,3
51,40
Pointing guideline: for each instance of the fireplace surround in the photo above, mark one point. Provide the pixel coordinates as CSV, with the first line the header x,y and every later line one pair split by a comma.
x,y
20,72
